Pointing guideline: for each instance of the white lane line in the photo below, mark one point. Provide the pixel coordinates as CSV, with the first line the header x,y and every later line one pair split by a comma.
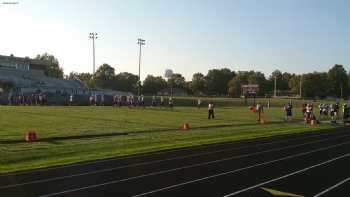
x,y
196,165
146,155
287,175
238,170
153,162
333,187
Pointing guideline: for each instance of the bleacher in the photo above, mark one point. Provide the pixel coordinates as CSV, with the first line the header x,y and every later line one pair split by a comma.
x,y
25,77
27,82
36,79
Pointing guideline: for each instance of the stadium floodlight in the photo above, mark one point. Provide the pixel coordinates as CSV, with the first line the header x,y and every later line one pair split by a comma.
x,y
140,42
93,36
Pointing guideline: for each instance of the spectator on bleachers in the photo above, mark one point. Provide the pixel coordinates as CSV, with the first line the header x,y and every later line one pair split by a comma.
x,y
115,100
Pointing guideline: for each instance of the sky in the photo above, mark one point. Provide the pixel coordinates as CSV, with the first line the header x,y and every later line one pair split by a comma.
x,y
187,36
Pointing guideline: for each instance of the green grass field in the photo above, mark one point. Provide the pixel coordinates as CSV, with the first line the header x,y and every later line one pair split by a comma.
x,y
72,134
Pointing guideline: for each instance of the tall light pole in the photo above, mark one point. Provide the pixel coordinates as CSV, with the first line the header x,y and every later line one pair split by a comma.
x,y
341,91
140,42
275,91
93,36
300,85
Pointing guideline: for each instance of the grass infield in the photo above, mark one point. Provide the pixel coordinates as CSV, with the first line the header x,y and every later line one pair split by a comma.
x,y
73,134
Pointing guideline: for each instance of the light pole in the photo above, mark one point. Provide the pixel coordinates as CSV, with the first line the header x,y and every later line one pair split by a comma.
x,y
300,84
275,91
341,91
140,42
93,36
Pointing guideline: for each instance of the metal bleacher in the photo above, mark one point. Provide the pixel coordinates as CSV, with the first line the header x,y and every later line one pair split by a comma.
x,y
27,82
36,79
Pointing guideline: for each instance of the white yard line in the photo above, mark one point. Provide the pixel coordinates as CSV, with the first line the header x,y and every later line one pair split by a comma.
x,y
333,187
196,165
159,161
287,175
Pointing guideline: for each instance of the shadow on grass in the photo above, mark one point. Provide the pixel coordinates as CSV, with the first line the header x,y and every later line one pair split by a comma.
x,y
55,140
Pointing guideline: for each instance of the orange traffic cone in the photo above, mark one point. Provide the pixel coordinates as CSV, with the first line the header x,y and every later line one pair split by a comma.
x,y
30,136
185,126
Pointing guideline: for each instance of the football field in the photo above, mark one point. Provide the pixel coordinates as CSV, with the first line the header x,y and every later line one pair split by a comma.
x,y
73,134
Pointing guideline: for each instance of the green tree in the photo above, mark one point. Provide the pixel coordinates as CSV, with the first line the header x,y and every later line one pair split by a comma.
x,y
177,81
199,84
85,78
282,80
315,84
259,79
217,81
234,85
338,79
104,77
294,84
53,69
152,84
126,82
188,88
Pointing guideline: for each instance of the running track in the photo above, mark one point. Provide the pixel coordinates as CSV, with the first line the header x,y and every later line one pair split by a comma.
x,y
309,164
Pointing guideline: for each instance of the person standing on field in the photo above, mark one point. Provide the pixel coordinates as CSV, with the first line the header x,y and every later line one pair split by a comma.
x,y
309,113
102,100
154,101
71,99
336,110
91,99
199,102
120,102
161,101
139,101
333,113
96,99
143,101
211,110
115,100
288,111
171,102
259,110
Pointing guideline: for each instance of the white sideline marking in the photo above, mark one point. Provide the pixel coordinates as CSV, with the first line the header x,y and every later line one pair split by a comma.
x,y
287,175
156,161
144,155
333,187
195,165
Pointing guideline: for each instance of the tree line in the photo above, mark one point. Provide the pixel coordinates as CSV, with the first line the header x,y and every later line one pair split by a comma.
x,y
217,82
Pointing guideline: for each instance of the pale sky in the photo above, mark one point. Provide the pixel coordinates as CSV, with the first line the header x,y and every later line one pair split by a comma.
x,y
187,36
